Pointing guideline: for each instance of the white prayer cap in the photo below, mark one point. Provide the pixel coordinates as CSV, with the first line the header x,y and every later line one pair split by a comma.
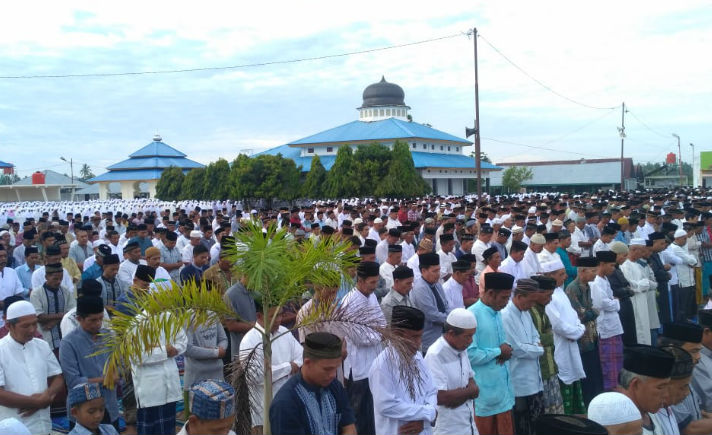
x,y
517,229
20,309
3,232
357,221
538,239
680,233
532,210
637,242
96,243
557,223
461,318
196,234
552,266
13,426
612,408
378,221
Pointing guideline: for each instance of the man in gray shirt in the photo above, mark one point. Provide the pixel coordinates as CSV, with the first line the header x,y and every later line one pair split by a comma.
x,y
239,299
81,251
399,293
428,296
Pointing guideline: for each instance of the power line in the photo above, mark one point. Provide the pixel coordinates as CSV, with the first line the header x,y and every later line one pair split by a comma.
x,y
231,67
539,147
539,82
667,136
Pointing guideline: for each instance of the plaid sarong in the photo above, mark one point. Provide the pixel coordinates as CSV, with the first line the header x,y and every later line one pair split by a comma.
x,y
156,420
573,399
611,353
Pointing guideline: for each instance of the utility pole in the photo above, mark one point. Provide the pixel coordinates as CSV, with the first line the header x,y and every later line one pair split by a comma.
x,y
679,157
478,154
621,131
693,165
71,169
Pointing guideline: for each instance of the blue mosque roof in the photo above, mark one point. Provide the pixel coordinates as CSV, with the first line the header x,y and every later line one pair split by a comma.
x,y
390,128
148,163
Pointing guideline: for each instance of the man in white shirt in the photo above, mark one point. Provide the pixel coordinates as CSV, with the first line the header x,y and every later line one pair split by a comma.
x,y
482,244
548,253
453,376
580,240
30,375
393,260
523,336
447,245
400,408
532,266
132,258
453,286
286,358
513,264
392,238
10,284
363,348
603,244
608,323
641,283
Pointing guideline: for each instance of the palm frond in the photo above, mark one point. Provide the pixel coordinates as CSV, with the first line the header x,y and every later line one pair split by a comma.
x,y
244,377
333,318
132,335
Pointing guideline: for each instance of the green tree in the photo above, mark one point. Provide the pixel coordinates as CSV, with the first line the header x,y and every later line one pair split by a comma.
x,y
265,176
193,184
314,183
170,184
402,180
217,180
483,156
341,179
370,163
85,173
514,176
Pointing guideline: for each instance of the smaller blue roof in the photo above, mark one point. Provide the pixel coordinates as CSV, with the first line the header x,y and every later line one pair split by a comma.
x,y
138,174
385,129
157,149
6,165
420,159
154,162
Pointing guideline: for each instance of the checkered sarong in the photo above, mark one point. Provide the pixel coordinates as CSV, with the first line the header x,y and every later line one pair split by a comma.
x,y
611,353
157,420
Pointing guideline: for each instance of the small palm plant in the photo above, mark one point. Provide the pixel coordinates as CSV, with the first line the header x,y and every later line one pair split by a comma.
x,y
273,267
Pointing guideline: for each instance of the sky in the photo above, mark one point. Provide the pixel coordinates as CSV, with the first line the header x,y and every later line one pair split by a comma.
x,y
652,55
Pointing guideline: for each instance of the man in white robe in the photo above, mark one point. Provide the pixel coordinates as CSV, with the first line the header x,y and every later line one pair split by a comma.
x,y
641,284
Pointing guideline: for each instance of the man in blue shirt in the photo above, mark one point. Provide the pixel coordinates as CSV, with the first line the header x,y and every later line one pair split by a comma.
x,y
489,356
95,270
144,242
24,272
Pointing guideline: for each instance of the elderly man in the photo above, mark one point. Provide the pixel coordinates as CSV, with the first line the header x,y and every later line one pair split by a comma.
x,y
641,283
82,249
644,379
526,351
397,408
453,376
489,356
428,296
30,376
531,263
617,413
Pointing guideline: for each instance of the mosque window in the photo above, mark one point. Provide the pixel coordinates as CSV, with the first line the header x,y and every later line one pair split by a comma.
x,y
388,112
432,147
457,149
329,149
448,148
413,145
310,150
381,112
425,147
441,147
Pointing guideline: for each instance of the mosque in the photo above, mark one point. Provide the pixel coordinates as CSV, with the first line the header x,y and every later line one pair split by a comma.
x,y
384,118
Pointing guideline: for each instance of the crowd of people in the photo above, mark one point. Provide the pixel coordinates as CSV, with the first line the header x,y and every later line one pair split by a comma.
x,y
540,313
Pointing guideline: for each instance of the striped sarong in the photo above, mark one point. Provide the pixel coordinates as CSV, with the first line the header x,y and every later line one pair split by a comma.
x,y
611,353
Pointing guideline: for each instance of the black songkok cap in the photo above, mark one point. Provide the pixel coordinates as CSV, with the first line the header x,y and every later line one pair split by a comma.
x,y
461,265
395,248
130,246
54,268
560,424
87,305
103,250
656,236
704,317
89,287
549,237
327,229
370,242
683,362
367,269
393,232
504,232
470,258
683,331
404,317
486,229
366,250
402,272
489,252
606,256
145,273
429,259
111,259
322,345
498,281
29,235
587,262
668,227
141,227
609,231
30,250
446,238
171,236
545,282
429,230
53,250
347,231
648,361
467,237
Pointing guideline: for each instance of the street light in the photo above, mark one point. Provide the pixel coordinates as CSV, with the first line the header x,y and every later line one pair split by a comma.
x,y
694,184
71,169
679,157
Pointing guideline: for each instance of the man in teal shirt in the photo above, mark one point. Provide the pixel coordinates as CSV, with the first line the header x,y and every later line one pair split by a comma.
x,y
489,356
564,243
